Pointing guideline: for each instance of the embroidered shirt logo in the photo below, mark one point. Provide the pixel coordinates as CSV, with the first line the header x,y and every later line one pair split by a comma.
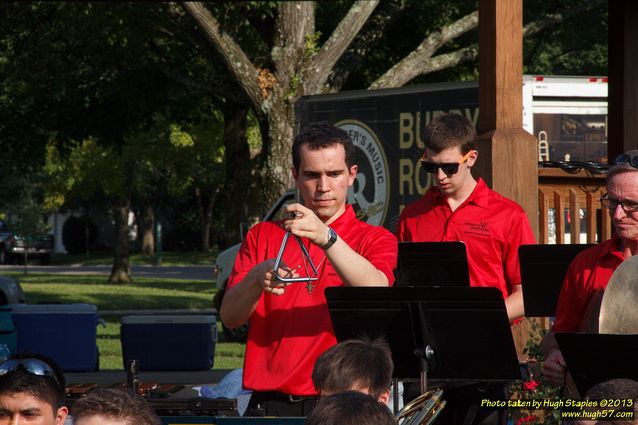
x,y
480,229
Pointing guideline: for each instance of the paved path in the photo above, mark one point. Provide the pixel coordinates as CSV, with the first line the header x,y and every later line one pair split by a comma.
x,y
176,272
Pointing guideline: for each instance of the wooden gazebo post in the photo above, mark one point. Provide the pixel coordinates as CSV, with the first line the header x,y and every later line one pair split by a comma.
x,y
508,155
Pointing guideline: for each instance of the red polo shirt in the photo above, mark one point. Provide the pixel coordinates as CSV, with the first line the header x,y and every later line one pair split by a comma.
x,y
588,274
491,226
288,332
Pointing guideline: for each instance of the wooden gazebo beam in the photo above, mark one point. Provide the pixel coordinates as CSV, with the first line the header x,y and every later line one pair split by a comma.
x,y
508,155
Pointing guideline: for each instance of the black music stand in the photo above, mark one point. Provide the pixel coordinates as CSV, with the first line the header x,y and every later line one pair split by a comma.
x,y
595,358
432,264
466,328
543,269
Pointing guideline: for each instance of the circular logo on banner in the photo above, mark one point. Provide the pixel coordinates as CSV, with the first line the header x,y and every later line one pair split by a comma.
x,y
369,195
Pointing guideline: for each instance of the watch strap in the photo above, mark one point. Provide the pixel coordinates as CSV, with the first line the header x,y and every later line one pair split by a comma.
x,y
332,238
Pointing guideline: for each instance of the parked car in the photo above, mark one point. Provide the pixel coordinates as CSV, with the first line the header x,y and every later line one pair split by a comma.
x,y
12,247
10,291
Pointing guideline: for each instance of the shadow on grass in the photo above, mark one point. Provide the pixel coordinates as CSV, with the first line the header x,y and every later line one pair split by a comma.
x,y
124,301
95,280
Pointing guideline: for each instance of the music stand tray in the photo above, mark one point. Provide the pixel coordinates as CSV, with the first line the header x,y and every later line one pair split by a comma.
x,y
595,358
467,328
432,264
543,269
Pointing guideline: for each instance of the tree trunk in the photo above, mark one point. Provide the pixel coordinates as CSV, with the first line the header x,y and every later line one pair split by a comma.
x,y
121,271
239,181
276,173
205,203
146,221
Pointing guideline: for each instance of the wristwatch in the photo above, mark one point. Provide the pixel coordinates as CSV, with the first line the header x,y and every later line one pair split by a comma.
x,y
332,238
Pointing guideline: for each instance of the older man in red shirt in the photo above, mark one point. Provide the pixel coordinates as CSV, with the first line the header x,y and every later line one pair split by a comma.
x,y
591,270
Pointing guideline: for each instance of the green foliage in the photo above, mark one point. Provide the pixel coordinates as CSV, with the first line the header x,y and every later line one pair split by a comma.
x,y
534,386
312,45
25,213
576,47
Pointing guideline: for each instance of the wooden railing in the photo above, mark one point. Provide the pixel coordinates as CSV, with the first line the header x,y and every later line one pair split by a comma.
x,y
570,194
573,195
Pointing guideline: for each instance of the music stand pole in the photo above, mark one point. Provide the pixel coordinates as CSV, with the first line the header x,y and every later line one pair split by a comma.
x,y
424,349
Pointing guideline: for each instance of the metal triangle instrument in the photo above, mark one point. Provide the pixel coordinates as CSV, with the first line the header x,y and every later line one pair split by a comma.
x,y
305,255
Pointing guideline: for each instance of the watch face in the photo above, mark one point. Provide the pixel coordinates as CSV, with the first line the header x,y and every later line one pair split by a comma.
x,y
332,238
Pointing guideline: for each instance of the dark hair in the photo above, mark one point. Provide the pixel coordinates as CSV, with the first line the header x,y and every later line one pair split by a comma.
x,y
446,131
355,363
350,408
115,404
616,389
43,388
321,136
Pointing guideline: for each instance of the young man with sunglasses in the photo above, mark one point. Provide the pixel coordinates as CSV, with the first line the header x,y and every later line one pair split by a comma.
x,y
461,208
589,273
290,324
31,391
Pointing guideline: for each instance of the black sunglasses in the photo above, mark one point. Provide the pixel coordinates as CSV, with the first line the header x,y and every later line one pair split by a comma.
x,y
449,168
627,159
32,366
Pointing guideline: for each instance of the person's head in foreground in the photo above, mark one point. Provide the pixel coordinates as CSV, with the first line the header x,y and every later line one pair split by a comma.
x,y
110,406
356,364
31,391
350,408
621,391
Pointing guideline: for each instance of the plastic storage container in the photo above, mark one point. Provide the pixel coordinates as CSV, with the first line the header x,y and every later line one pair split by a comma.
x,y
8,334
169,342
65,332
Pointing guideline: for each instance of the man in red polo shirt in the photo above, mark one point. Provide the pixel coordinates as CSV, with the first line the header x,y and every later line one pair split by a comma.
x,y
290,324
461,208
589,273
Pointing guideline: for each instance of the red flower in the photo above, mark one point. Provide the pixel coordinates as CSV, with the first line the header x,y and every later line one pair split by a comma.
x,y
530,385
529,419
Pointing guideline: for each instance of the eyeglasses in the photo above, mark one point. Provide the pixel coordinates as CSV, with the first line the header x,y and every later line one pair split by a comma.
x,y
611,204
32,366
627,159
449,168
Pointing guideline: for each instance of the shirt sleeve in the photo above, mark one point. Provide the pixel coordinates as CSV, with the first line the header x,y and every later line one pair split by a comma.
x,y
569,310
520,234
246,258
381,251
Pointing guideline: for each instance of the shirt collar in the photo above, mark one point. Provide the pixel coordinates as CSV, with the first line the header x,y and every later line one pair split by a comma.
x,y
346,217
479,196
612,247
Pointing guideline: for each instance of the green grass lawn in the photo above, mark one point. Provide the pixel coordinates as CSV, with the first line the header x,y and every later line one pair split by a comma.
x,y
143,293
168,258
